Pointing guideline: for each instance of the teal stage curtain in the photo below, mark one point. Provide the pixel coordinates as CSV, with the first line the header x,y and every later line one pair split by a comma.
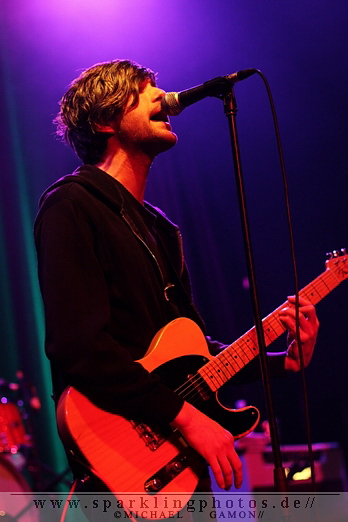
x,y
22,319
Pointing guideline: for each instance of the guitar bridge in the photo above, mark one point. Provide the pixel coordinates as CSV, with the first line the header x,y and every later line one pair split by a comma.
x,y
152,439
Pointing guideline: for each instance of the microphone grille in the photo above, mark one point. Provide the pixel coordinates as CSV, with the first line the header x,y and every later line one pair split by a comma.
x,y
170,104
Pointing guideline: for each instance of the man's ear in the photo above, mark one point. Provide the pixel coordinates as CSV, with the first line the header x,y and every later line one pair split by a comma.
x,y
104,128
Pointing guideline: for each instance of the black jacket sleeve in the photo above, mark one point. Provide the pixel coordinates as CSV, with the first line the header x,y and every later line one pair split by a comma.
x,y
77,312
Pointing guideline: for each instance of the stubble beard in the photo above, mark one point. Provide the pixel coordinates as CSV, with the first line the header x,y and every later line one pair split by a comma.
x,y
149,145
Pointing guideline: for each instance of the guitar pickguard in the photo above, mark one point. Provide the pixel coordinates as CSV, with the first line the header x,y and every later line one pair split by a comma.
x,y
180,374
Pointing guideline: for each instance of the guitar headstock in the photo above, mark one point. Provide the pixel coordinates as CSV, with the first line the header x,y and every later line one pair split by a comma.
x,y
337,263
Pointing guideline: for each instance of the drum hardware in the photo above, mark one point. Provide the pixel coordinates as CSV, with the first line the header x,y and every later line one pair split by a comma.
x,y
17,444
13,434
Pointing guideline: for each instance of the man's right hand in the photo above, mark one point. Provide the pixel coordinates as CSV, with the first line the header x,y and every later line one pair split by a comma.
x,y
213,442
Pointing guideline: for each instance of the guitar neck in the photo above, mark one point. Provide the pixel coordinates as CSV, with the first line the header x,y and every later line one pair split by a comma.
x,y
232,359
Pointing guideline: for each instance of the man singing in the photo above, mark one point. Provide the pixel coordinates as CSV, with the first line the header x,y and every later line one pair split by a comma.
x,y
112,271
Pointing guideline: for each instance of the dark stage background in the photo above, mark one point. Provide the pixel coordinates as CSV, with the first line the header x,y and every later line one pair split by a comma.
x,y
301,46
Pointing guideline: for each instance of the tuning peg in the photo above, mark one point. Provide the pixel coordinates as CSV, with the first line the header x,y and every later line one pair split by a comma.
x,y
336,253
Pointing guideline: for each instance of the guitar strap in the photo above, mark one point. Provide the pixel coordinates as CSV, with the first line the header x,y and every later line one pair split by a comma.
x,y
148,223
176,293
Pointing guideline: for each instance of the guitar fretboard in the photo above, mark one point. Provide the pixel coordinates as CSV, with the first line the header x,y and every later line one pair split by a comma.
x,y
233,358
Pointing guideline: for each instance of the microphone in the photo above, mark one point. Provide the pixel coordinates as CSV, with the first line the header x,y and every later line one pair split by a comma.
x,y
173,103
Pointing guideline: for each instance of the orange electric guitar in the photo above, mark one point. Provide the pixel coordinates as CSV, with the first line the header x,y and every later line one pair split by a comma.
x,y
132,457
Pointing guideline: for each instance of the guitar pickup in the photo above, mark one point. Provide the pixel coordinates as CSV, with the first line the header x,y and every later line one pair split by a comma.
x,y
167,473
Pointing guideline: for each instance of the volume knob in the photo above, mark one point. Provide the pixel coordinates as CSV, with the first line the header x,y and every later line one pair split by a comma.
x,y
174,467
153,485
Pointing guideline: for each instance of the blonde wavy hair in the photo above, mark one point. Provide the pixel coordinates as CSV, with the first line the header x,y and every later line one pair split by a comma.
x,y
98,96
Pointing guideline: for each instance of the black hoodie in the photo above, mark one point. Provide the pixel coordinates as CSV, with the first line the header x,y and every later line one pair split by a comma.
x,y
103,262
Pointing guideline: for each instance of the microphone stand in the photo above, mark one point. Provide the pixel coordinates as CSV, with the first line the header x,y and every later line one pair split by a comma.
x,y
230,108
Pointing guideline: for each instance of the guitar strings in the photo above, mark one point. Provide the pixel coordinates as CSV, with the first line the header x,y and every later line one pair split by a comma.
x,y
227,368
197,386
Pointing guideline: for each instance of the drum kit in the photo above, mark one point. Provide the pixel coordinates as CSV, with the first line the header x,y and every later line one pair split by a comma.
x,y
20,469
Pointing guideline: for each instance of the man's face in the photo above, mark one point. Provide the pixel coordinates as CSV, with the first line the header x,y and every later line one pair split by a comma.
x,y
146,127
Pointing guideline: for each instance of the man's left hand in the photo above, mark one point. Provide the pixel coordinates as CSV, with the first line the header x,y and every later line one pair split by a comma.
x,y
309,326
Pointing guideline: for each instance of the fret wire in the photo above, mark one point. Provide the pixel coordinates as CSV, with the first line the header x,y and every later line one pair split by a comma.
x,y
323,287
237,354
212,373
208,379
269,330
215,367
278,326
310,291
245,349
245,354
321,284
227,363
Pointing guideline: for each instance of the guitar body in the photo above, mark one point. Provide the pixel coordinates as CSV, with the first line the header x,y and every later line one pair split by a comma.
x,y
131,457
185,339
135,458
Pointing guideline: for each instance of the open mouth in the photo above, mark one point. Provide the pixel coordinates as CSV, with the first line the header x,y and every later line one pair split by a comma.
x,y
159,116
